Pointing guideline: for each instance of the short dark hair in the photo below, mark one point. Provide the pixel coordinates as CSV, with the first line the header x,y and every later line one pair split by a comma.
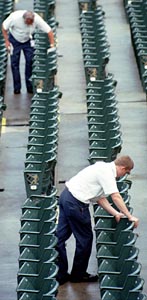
x,y
125,161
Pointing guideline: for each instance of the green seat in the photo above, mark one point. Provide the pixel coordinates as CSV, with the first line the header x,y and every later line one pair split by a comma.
x,y
35,165
103,85
112,252
50,104
43,111
96,106
46,148
87,33
114,238
103,126
97,100
100,97
37,215
96,88
2,80
39,136
39,177
40,70
103,131
99,212
104,144
41,254
37,287
102,135
35,240
116,282
52,94
39,124
26,296
86,6
38,149
43,76
35,158
41,53
136,295
133,284
94,119
109,224
45,10
108,267
34,269
97,70
37,133
48,121
41,202
94,116
33,227
107,154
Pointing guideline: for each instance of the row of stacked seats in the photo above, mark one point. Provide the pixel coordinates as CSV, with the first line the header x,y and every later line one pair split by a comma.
x,y
118,269
44,64
45,59
37,261
6,7
103,120
42,142
136,12
38,256
102,113
117,255
43,125
94,43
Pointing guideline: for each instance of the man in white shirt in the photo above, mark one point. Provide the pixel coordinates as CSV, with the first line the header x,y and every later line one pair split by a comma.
x,y
17,30
93,184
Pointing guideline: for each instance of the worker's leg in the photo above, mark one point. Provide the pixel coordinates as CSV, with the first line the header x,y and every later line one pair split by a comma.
x,y
28,53
63,233
15,61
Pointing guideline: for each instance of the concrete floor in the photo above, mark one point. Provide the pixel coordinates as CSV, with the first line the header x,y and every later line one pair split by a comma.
x,y
73,138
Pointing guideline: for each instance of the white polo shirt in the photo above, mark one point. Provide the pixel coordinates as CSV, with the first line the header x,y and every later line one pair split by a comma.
x,y
94,182
21,31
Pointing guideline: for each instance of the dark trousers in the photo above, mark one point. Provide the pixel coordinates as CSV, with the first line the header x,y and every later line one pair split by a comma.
x,y
15,62
74,217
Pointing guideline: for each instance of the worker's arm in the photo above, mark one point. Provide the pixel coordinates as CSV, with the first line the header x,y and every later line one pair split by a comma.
x,y
51,39
104,203
6,38
118,201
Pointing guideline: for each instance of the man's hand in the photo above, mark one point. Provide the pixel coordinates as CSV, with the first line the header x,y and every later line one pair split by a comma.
x,y
135,221
119,216
7,44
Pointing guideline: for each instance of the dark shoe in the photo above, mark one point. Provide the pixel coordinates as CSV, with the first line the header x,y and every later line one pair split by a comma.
x,y
64,279
86,278
30,91
16,92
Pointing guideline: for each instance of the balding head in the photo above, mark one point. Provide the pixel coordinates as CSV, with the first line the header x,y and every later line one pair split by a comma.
x,y
28,17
